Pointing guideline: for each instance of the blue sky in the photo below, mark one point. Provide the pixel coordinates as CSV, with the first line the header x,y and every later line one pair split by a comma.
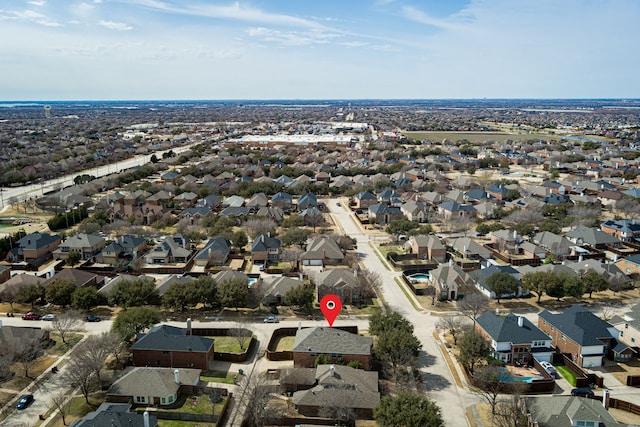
x,y
318,49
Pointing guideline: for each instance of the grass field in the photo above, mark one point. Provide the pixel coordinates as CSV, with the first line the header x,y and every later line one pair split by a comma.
x,y
567,374
229,345
218,376
285,344
479,137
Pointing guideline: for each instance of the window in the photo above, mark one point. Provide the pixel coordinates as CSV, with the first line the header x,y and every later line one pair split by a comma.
x,y
633,340
172,398
140,399
163,400
564,337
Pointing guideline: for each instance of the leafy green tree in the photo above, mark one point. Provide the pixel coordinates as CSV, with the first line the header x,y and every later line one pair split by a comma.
x,y
593,282
59,292
133,321
133,293
207,290
408,410
86,298
295,236
73,258
180,295
240,239
538,282
473,349
572,284
502,284
300,296
398,347
294,220
555,287
380,322
401,226
30,294
233,293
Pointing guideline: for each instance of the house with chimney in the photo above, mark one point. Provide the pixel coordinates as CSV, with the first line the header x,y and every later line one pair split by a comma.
x,y
153,386
173,347
118,414
333,343
34,248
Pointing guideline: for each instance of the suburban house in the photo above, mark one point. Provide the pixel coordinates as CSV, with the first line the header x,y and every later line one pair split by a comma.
x,y
215,252
307,200
337,386
79,277
364,199
629,326
415,211
265,249
449,281
341,282
34,248
569,411
624,229
87,245
125,248
282,200
275,290
514,339
333,343
593,237
585,336
169,251
172,347
480,277
470,249
427,247
322,251
629,265
451,209
153,386
116,414
381,213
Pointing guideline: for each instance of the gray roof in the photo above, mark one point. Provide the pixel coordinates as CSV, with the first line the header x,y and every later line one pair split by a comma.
x,y
171,338
114,415
82,240
560,411
505,328
579,324
330,340
37,240
592,236
263,243
160,382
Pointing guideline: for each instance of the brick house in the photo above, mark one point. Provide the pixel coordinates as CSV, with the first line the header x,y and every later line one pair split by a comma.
x,y
427,247
335,344
153,386
514,339
585,336
173,347
33,247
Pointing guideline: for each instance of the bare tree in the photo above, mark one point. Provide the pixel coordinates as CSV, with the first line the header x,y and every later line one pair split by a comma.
x,y
25,352
93,353
367,283
490,384
584,215
291,255
115,345
472,305
8,295
314,218
628,208
59,402
241,334
81,376
256,396
510,412
66,324
5,368
342,411
453,324
256,227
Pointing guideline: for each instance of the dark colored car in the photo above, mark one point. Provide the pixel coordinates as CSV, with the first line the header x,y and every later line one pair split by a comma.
x,y
583,392
93,319
31,316
25,401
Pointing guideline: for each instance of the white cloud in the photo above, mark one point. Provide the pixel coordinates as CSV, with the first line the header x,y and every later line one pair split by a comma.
x,y
33,16
118,26
417,15
38,3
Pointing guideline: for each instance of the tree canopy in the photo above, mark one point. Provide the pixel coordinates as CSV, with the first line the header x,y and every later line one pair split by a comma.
x,y
408,410
133,321
473,349
133,293
502,284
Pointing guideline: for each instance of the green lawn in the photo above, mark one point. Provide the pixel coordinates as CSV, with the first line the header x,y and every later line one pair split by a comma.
x,y
229,345
218,376
61,348
567,374
285,344
198,405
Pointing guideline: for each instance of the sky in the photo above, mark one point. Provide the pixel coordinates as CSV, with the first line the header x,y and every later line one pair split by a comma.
x,y
318,49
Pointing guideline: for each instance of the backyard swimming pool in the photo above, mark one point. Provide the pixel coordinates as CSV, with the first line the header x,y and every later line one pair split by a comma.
x,y
419,277
251,281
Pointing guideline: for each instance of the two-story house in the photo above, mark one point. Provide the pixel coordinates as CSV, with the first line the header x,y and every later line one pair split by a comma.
x,y
87,245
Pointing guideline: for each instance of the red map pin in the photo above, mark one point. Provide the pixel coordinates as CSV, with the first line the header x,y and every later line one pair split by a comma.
x,y
330,305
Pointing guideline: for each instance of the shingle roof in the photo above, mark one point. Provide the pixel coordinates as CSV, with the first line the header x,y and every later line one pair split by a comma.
x,y
579,324
170,338
559,411
330,340
506,329
160,382
114,415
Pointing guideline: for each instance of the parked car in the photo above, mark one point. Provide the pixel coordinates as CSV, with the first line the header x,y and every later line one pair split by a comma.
x,y
93,319
271,319
49,317
25,401
31,316
582,392
551,370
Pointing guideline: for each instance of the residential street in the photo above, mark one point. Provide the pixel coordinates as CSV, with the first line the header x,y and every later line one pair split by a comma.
x,y
437,378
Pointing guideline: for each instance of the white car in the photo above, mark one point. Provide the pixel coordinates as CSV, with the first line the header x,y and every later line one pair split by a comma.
x,y
50,317
271,319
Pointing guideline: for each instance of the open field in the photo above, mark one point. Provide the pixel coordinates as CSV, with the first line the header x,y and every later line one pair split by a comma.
x,y
479,137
